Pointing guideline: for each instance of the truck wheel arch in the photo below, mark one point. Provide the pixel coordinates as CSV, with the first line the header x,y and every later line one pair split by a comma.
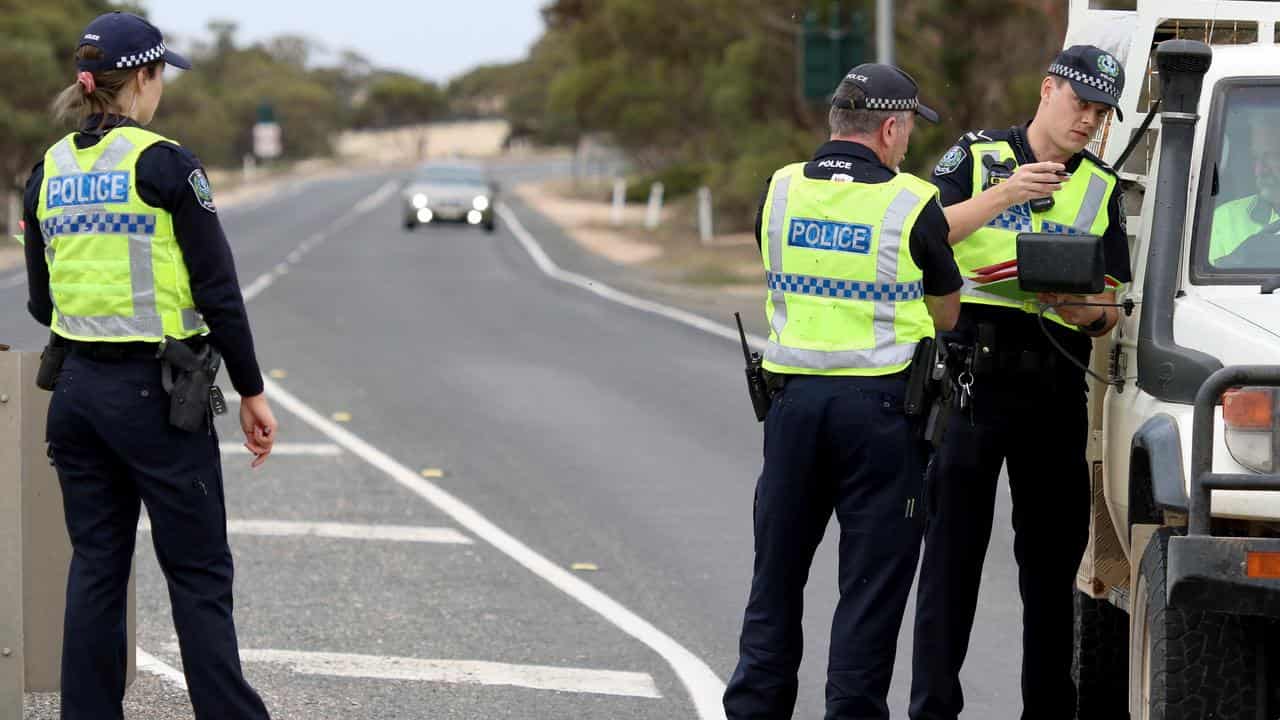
x,y
1157,480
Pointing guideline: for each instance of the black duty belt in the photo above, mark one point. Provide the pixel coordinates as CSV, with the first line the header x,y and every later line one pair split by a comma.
x,y
122,351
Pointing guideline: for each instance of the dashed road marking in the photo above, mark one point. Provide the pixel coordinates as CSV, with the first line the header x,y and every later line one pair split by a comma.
x,y
705,688
340,531
151,664
467,672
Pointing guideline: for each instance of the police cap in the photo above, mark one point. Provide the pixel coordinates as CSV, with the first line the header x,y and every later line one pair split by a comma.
x,y
885,88
1095,74
126,41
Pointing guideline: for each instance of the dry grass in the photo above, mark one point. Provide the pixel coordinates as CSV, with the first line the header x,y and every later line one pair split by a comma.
x,y
670,255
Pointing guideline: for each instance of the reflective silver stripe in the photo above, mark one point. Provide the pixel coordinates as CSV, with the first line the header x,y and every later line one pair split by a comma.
x,y
1092,205
115,154
887,259
777,214
877,357
64,158
192,320
146,320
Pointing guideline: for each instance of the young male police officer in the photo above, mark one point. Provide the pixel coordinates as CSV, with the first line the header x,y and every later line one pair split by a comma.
x,y
859,271
1029,406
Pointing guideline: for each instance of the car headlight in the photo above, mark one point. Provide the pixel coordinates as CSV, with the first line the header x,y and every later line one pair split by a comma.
x,y
419,201
1252,432
425,215
481,203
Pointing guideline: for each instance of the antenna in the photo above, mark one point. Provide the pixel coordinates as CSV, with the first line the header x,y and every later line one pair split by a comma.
x,y
746,350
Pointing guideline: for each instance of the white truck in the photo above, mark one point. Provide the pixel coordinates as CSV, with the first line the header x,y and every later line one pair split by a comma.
x,y
1178,595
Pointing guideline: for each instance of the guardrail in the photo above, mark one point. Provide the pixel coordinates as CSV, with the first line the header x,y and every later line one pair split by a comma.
x,y
35,551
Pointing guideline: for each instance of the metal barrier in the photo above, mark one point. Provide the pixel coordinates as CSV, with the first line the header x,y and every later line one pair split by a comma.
x,y
34,549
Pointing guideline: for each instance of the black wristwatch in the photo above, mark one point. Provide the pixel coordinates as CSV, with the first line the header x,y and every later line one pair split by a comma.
x,y
1096,325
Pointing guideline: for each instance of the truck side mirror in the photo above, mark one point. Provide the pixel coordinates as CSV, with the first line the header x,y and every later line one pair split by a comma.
x,y
1065,264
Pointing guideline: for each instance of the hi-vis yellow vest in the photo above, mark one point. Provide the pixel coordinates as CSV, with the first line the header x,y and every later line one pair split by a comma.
x,y
845,296
116,273
1080,207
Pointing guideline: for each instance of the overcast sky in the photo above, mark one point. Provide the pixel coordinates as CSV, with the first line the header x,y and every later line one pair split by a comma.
x,y
436,39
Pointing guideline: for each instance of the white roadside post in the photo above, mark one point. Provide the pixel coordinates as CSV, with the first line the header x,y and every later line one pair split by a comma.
x,y
705,230
654,215
619,200
250,167
14,213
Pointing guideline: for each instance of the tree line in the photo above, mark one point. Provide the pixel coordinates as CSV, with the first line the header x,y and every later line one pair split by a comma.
x,y
212,107
709,89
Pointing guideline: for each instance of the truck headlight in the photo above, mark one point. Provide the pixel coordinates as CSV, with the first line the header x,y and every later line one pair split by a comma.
x,y
1252,433
419,201
481,203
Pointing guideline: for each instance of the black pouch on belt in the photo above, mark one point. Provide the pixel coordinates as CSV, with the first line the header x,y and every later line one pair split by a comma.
x,y
188,375
920,379
51,359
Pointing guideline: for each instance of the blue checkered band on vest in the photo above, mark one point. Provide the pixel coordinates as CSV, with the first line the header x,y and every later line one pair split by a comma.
x,y
1011,221
1054,228
100,224
846,289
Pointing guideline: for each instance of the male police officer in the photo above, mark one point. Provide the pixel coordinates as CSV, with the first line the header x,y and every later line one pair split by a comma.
x,y
859,272
1028,405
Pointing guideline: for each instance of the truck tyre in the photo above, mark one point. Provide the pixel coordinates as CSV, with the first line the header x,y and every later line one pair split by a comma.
x,y
1190,665
1101,663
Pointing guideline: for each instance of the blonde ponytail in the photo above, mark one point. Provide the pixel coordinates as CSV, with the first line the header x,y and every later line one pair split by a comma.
x,y
74,104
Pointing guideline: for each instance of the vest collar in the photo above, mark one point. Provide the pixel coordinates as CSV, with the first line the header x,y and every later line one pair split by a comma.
x,y
1022,148
849,149
97,126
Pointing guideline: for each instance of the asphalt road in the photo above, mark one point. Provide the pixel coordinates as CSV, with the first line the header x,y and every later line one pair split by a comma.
x,y
566,439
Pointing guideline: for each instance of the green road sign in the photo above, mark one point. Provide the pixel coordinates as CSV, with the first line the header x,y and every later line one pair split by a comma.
x,y
828,52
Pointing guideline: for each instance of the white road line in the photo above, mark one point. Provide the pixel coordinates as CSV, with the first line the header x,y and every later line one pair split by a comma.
x,y
367,204
151,664
340,531
312,449
549,266
255,288
466,672
704,686
13,280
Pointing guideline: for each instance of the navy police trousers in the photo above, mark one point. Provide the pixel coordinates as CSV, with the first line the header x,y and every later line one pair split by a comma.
x,y
1038,425
113,447
837,444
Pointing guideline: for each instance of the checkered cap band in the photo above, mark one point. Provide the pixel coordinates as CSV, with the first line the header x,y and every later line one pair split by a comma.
x,y
846,289
892,103
1093,81
100,224
142,58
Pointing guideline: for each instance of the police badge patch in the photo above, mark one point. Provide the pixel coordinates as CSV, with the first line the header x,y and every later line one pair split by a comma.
x,y
1108,65
200,186
950,161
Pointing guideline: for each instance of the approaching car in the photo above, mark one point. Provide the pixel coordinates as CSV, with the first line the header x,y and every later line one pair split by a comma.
x,y
449,193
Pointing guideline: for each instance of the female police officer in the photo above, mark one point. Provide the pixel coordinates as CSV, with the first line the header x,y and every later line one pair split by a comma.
x,y
125,252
